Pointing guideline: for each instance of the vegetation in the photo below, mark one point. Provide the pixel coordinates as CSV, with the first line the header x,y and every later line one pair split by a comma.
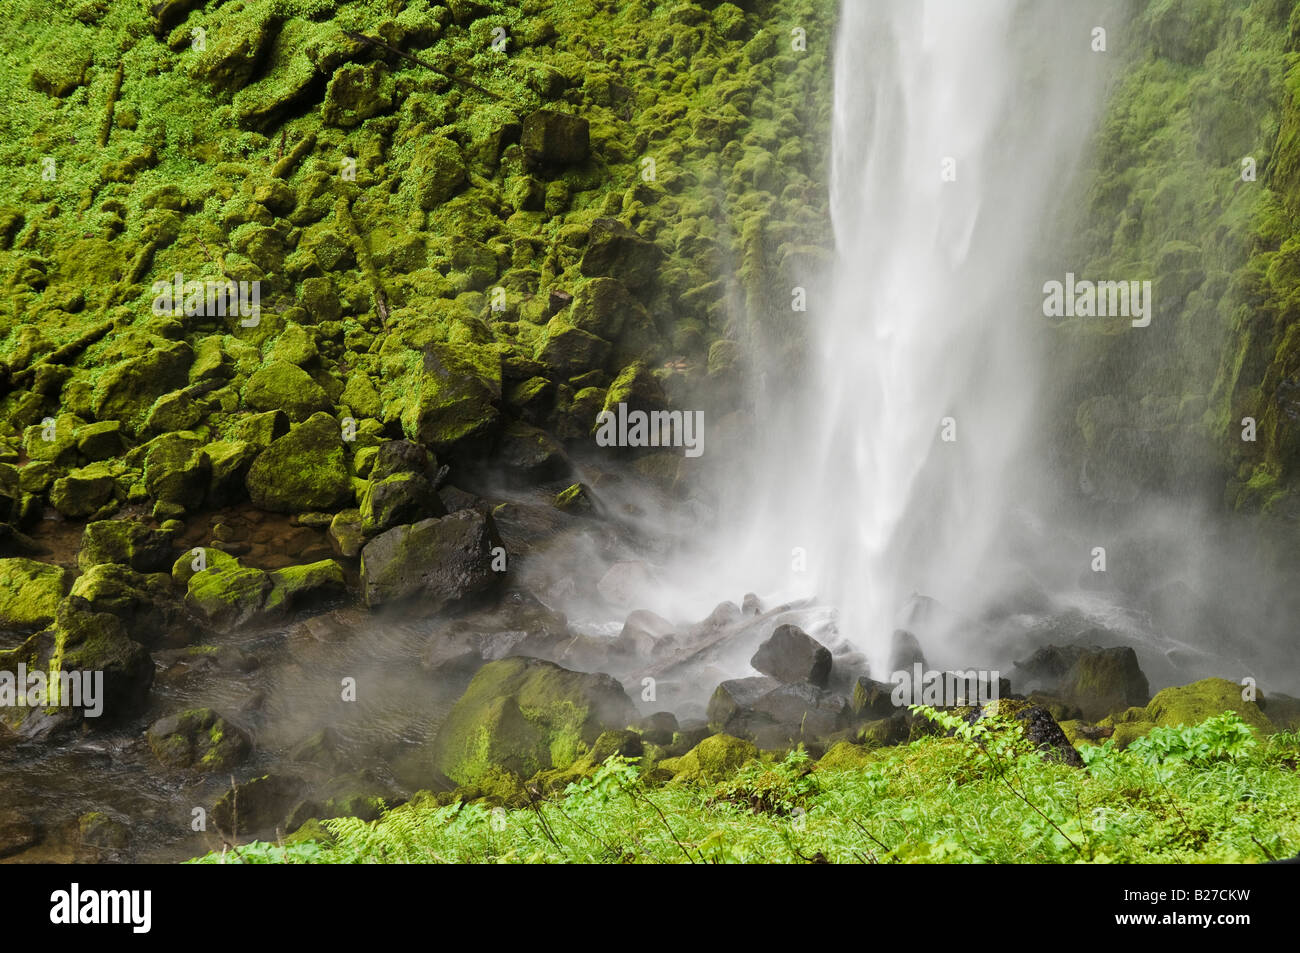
x,y
1207,793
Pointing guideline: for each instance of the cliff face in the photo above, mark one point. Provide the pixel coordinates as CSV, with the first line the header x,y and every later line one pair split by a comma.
x,y
1194,186
472,224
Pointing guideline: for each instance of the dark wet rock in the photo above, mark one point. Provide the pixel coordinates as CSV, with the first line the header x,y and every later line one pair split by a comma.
x,y
401,456
800,712
627,583
198,738
658,728
641,634
791,655
259,805
441,561
531,455
100,832
18,831
737,695
1040,728
405,497
905,651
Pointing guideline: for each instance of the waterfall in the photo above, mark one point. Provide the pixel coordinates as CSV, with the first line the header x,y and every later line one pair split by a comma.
x,y
897,459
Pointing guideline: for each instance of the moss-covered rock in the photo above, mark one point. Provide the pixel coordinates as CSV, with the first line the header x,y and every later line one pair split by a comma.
x,y
29,593
447,397
551,138
845,756
614,250
1192,704
520,716
285,387
303,471
436,171
398,498
1103,681
126,542
710,761
198,738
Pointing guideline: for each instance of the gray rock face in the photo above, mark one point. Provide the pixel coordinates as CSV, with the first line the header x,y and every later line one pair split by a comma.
x,y
441,561
791,655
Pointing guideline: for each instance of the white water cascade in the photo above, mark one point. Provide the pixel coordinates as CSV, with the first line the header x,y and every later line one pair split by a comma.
x,y
957,129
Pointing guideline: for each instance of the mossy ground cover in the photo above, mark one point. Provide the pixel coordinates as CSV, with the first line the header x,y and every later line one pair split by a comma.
x,y
1211,793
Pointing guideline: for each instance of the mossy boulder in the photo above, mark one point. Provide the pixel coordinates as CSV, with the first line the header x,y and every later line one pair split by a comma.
x,y
448,400
143,601
710,761
227,594
200,739
84,491
551,139
1103,681
436,171
303,471
29,593
520,716
230,460
356,93
126,542
126,391
285,387
567,350
396,499
845,756
637,387
100,441
602,306
441,561
615,251
1192,704
177,470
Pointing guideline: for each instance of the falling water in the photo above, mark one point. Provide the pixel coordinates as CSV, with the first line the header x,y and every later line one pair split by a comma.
x,y
895,461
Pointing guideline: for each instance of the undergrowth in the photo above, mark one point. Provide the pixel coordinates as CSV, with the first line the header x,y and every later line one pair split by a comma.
x,y
1201,794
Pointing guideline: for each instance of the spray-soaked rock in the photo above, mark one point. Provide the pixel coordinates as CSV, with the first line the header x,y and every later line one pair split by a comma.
x,y
1104,681
737,695
791,655
441,561
905,651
